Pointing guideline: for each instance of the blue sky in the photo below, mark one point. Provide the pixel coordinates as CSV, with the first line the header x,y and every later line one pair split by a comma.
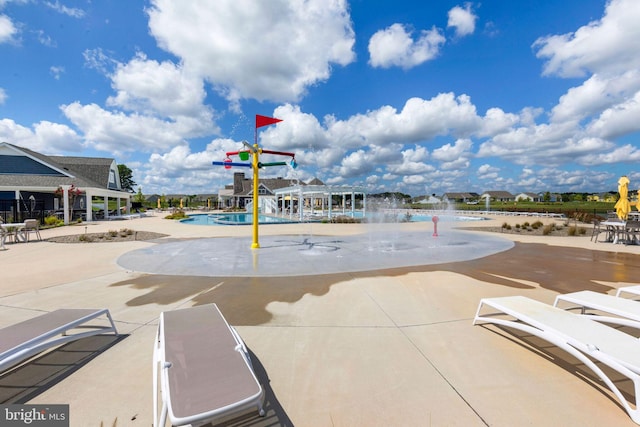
x,y
422,97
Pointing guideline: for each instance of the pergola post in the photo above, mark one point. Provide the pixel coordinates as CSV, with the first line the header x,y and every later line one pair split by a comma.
x,y
65,203
88,206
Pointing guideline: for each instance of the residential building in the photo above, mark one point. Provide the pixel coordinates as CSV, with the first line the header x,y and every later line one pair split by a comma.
x,y
528,197
460,197
240,194
34,185
498,196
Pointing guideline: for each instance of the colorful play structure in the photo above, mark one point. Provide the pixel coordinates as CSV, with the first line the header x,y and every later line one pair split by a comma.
x,y
254,151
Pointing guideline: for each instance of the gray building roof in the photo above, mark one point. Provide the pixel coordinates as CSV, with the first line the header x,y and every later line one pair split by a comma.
x,y
243,186
21,167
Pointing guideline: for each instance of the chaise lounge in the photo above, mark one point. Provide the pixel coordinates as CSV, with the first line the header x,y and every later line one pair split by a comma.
x,y
584,338
22,340
203,369
627,311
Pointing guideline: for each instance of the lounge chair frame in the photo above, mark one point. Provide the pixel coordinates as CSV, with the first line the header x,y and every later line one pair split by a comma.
x,y
202,369
585,339
633,290
628,311
22,340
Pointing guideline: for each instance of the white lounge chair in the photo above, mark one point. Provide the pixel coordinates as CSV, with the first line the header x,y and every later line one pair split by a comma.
x,y
203,368
633,290
22,340
628,311
585,339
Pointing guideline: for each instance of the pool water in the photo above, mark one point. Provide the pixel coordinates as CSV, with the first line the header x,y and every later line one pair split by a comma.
x,y
242,218
237,218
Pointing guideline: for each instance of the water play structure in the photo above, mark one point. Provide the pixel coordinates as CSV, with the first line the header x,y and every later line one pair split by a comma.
x,y
254,151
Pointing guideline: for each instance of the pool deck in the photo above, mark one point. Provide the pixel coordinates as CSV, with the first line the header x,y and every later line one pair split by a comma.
x,y
382,347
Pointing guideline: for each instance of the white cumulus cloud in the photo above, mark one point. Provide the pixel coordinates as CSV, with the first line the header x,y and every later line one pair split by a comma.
x,y
395,47
463,20
602,46
269,51
7,29
45,137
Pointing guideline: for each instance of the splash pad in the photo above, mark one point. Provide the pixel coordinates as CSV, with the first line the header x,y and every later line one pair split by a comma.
x,y
305,255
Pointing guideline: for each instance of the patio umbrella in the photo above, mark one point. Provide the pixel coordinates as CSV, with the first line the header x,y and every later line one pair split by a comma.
x,y
158,203
623,207
181,206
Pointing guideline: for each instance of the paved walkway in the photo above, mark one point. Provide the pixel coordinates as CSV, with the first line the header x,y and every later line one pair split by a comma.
x,y
389,346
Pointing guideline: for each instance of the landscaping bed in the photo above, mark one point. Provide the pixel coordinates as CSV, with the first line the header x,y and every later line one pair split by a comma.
x,y
123,235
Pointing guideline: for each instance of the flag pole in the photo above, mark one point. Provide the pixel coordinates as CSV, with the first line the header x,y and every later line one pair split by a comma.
x,y
260,121
256,179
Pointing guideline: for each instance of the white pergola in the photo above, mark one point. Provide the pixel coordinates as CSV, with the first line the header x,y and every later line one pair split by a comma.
x,y
120,196
319,195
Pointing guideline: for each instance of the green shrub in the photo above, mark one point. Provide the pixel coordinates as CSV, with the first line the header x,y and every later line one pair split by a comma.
x,y
112,233
537,225
344,219
178,214
52,221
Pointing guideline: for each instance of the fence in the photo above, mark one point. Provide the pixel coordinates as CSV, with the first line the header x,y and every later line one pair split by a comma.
x,y
10,211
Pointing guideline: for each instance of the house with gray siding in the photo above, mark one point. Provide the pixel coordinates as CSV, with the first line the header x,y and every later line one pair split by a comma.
x,y
34,185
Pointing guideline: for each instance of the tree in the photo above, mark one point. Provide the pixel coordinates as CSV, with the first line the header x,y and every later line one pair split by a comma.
x,y
139,197
126,178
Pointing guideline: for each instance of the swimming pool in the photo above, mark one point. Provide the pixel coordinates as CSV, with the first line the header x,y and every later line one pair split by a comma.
x,y
236,218
243,218
408,216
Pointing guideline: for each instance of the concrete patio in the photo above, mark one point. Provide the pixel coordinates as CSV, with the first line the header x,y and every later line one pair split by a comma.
x,y
392,347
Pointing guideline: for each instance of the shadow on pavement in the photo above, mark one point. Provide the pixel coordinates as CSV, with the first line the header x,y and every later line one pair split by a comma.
x,y
275,415
25,382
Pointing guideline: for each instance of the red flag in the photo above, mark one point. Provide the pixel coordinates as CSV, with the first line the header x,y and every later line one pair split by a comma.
x,y
265,121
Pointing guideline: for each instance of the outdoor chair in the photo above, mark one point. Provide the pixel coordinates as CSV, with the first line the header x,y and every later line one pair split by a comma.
x,y
32,226
9,234
596,230
634,291
3,238
626,311
585,339
203,369
20,341
632,231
